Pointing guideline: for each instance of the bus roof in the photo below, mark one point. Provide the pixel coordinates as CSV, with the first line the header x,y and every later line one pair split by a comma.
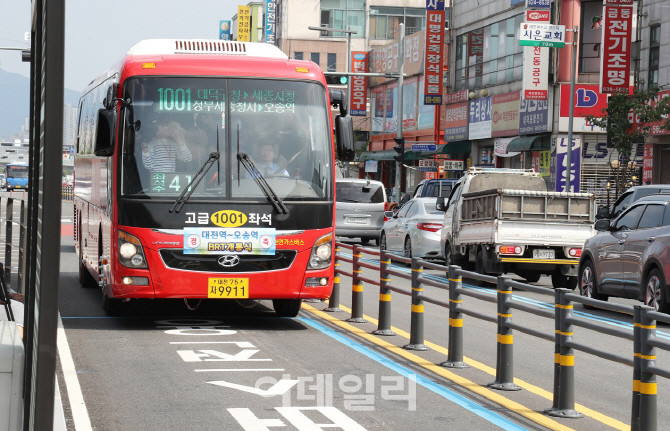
x,y
205,46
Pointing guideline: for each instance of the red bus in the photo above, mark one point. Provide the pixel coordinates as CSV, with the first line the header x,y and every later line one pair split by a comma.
x,y
205,170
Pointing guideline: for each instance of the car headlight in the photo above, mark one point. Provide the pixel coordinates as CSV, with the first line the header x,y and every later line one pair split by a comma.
x,y
322,252
131,252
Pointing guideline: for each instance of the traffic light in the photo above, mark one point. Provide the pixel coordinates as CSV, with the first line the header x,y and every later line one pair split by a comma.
x,y
400,149
337,79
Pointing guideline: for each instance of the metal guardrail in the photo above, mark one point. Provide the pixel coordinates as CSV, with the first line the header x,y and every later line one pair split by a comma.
x,y
645,342
10,241
68,193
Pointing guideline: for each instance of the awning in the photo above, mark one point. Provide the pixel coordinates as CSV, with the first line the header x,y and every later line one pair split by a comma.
x,y
454,147
385,155
529,143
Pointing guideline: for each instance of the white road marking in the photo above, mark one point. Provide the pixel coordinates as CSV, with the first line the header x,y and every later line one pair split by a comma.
x,y
82,422
225,370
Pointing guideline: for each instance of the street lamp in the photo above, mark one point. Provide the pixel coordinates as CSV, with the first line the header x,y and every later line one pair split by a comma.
x,y
348,68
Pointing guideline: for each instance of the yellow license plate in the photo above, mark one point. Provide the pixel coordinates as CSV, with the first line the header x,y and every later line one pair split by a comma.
x,y
228,288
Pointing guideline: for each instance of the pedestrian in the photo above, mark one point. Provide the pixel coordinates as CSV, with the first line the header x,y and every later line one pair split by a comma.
x,y
16,301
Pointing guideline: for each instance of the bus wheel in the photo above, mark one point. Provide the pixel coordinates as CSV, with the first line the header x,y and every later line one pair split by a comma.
x,y
112,306
286,307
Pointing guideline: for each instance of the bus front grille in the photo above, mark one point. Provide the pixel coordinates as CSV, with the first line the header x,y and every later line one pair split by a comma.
x,y
176,259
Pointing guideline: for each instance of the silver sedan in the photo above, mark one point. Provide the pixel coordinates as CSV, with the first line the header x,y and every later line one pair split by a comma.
x,y
414,230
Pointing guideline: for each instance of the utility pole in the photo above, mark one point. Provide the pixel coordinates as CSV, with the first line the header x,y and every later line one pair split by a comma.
x,y
568,156
401,67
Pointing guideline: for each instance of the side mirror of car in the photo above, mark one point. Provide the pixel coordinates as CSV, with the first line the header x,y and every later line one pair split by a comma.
x,y
602,225
603,212
441,204
388,214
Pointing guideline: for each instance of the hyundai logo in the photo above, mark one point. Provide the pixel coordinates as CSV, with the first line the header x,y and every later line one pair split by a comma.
x,y
228,260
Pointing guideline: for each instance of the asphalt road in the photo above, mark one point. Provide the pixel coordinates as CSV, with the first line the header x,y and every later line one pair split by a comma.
x,y
232,365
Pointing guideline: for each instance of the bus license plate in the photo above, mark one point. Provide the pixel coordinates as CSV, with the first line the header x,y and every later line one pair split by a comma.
x,y
544,254
228,288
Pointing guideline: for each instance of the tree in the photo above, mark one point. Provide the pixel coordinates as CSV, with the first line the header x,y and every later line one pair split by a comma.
x,y
629,119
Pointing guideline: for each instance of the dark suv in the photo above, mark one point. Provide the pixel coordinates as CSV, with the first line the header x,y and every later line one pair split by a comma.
x,y
631,195
630,256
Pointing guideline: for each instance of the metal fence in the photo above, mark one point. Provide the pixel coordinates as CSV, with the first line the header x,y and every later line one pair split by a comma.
x,y
68,193
645,342
12,215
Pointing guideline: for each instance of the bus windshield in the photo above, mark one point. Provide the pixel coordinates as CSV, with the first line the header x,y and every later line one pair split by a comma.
x,y
173,124
17,171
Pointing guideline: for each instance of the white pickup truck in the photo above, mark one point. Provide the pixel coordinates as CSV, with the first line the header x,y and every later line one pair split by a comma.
x,y
505,221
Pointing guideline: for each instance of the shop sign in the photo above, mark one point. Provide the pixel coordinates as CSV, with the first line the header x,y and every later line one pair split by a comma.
x,y
538,4
385,59
648,163
535,82
534,117
359,84
433,60
588,101
479,118
616,43
559,151
505,114
270,20
459,96
428,165
243,23
456,122
453,165
500,147
542,34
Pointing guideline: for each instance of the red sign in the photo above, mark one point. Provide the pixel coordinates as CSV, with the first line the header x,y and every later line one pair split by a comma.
x,y
459,96
475,53
359,84
588,100
433,57
538,16
648,163
615,61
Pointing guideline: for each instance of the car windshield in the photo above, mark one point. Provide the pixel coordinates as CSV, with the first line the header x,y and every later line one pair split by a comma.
x,y
173,124
361,192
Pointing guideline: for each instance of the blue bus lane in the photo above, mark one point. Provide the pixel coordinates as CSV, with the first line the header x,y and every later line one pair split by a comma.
x,y
312,377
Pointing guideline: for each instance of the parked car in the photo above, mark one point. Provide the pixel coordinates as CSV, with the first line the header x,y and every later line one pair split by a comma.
x,y
630,256
414,230
360,206
628,197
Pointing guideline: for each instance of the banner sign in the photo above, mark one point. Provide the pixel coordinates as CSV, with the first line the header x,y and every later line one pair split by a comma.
x,y
433,60
500,147
428,165
359,84
270,20
459,96
384,59
534,117
479,118
648,163
243,23
559,151
616,43
456,122
224,30
229,241
588,101
535,83
542,34
505,114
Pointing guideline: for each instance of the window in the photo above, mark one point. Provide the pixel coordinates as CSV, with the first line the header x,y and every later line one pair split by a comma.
x,y
332,62
652,217
344,15
629,220
297,55
489,55
384,21
590,37
315,57
404,210
654,45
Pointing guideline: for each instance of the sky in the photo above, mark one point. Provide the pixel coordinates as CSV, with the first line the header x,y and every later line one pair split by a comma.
x,y
98,33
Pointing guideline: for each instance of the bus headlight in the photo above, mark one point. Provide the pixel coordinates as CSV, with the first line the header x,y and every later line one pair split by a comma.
x,y
131,253
322,252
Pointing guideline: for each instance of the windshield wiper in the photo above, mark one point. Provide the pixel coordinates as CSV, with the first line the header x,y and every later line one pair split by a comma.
x,y
262,184
181,200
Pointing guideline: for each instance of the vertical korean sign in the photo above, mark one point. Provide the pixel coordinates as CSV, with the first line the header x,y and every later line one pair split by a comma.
x,y
359,84
270,19
243,23
648,164
616,43
535,83
224,30
435,16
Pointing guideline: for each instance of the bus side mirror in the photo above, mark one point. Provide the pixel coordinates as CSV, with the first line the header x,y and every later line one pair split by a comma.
x,y
105,133
344,133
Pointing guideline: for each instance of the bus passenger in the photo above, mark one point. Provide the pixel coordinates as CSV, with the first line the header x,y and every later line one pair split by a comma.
x,y
162,153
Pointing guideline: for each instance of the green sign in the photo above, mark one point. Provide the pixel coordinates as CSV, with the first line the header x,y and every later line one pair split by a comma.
x,y
541,43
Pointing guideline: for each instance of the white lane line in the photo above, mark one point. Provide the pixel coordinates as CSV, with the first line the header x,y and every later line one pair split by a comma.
x,y
238,369
66,220
77,405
